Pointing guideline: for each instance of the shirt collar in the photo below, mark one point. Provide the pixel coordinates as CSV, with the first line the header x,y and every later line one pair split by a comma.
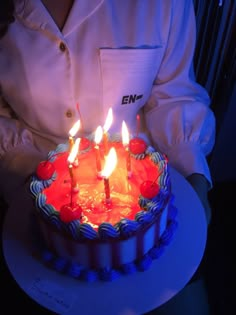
x,y
33,14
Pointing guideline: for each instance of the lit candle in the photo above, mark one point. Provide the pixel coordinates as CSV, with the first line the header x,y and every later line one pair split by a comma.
x,y
125,140
72,133
71,159
107,190
97,140
110,164
106,127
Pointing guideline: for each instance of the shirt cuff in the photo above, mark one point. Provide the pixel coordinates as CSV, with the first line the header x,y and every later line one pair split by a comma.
x,y
187,159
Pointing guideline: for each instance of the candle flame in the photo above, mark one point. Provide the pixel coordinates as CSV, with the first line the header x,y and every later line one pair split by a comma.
x,y
74,129
125,134
98,135
110,163
74,151
108,121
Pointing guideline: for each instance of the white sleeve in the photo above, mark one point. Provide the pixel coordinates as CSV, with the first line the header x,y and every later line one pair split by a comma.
x,y
12,133
18,155
178,113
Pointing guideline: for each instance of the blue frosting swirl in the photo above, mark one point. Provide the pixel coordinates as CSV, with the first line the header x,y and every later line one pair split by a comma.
x,y
36,187
127,227
59,264
150,150
129,268
74,270
167,235
87,232
156,157
156,251
62,147
173,211
45,209
55,221
73,228
48,182
107,274
89,275
143,202
144,263
144,217
107,230
47,256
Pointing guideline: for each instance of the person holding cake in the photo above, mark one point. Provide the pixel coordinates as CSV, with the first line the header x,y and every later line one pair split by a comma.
x,y
135,57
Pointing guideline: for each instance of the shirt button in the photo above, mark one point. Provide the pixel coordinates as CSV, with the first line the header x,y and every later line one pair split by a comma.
x,y
69,113
62,46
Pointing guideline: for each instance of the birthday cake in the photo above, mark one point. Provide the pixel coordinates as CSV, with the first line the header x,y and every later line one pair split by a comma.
x,y
100,226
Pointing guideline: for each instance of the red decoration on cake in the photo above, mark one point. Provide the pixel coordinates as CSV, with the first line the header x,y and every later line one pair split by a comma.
x,y
45,170
137,146
84,143
149,189
70,212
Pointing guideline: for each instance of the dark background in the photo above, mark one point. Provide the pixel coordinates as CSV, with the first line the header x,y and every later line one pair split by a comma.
x,y
215,65
215,62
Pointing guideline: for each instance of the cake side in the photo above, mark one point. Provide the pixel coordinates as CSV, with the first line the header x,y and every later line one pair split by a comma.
x,y
107,260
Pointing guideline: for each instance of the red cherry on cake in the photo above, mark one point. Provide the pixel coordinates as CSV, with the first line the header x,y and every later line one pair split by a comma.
x,y
149,189
137,146
84,144
70,212
45,170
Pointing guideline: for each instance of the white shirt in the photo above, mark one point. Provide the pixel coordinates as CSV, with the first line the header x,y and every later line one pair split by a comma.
x,y
133,56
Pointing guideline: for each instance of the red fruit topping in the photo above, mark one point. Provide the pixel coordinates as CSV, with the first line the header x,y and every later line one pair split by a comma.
x,y
137,146
70,212
45,170
149,189
84,144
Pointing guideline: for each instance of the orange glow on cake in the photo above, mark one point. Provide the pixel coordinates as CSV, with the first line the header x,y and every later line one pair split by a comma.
x,y
124,192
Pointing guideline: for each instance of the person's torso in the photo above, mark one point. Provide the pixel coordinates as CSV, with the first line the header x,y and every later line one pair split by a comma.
x,y
107,55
